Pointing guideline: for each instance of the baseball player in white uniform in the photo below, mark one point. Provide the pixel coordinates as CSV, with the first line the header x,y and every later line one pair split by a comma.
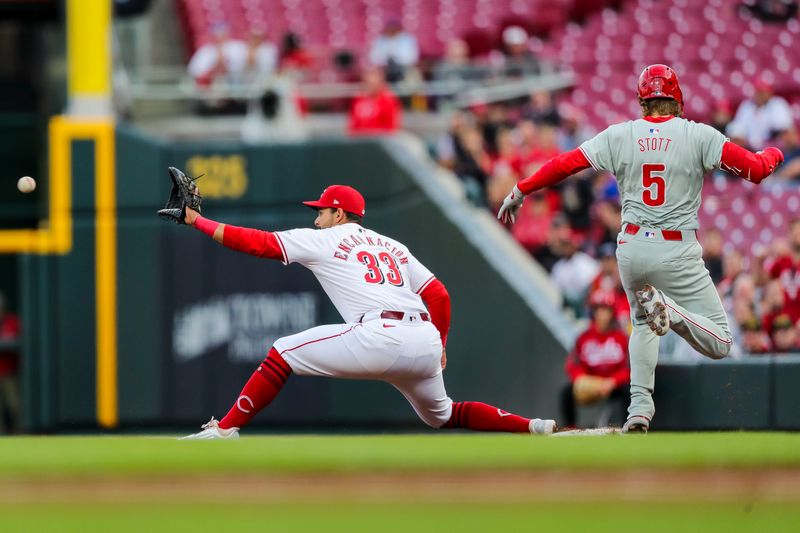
x,y
381,290
659,161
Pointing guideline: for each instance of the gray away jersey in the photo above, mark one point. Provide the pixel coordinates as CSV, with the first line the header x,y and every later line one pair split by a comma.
x,y
659,168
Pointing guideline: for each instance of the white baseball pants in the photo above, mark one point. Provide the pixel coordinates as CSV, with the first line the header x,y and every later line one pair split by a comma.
x,y
405,353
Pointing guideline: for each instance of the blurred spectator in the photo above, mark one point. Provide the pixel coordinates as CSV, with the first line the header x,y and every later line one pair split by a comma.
x,y
222,59
276,112
395,51
539,145
494,119
744,299
573,131
761,118
772,10
790,169
541,110
506,168
712,254
376,109
722,115
608,222
559,233
9,369
773,304
473,164
786,269
784,335
732,267
608,282
598,366
574,273
533,223
518,60
576,201
446,145
262,56
294,58
344,62
456,64
754,339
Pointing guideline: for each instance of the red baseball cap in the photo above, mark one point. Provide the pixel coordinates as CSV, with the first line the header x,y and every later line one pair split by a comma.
x,y
602,298
347,198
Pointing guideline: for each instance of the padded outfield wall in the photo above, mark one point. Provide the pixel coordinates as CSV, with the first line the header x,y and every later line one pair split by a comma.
x,y
194,319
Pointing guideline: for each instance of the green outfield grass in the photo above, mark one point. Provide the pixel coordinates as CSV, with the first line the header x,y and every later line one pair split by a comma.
x,y
666,482
53,456
402,518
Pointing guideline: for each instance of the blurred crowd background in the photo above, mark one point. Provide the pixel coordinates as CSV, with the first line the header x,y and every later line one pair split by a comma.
x,y
738,70
495,88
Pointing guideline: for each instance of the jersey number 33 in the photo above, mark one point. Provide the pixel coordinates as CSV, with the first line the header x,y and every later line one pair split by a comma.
x,y
375,272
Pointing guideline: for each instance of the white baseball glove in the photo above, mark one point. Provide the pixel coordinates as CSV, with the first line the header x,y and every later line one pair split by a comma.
x,y
511,204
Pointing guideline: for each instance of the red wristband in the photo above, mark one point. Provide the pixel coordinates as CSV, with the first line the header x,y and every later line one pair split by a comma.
x,y
206,226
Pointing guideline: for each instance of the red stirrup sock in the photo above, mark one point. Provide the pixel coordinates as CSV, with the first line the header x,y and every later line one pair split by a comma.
x,y
481,417
262,387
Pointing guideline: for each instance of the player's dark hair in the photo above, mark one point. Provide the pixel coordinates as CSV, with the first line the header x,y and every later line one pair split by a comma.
x,y
661,106
353,218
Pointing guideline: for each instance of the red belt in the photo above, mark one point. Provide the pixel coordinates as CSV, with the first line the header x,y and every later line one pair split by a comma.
x,y
399,315
668,234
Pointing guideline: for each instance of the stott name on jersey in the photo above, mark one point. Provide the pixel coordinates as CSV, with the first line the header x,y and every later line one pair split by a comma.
x,y
346,245
654,144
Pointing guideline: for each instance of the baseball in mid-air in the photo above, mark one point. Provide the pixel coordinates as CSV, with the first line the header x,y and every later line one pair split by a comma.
x,y
26,184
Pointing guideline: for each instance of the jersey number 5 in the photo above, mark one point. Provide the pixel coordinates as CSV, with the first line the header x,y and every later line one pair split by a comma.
x,y
650,196
375,273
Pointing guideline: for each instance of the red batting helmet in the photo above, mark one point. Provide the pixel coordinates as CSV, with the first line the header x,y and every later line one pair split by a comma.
x,y
659,81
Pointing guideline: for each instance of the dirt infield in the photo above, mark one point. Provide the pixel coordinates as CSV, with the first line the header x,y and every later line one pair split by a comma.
x,y
552,486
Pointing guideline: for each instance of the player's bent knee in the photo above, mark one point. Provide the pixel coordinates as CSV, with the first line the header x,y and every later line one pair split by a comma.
x,y
721,352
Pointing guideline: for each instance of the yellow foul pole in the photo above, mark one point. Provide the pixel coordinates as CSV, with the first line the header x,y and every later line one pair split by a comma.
x,y
89,86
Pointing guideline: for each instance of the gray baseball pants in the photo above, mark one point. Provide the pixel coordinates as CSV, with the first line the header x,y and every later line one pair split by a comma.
x,y
676,268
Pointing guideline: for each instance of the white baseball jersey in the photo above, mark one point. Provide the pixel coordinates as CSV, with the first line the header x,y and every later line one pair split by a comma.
x,y
360,270
659,168
364,273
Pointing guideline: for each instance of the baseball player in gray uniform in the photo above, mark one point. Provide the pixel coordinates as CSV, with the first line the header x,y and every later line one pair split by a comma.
x,y
659,161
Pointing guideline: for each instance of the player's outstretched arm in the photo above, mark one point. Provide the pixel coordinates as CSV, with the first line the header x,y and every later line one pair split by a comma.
x,y
551,173
748,165
248,240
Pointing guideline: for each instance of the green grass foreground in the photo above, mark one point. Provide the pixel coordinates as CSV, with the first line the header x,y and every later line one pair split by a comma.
x,y
31,457
402,518
136,483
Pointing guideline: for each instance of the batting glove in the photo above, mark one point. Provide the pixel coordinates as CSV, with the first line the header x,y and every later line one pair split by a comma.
x,y
511,204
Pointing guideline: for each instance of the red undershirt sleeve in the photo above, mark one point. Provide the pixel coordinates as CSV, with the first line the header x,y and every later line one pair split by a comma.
x,y
248,240
555,170
252,241
437,299
748,165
